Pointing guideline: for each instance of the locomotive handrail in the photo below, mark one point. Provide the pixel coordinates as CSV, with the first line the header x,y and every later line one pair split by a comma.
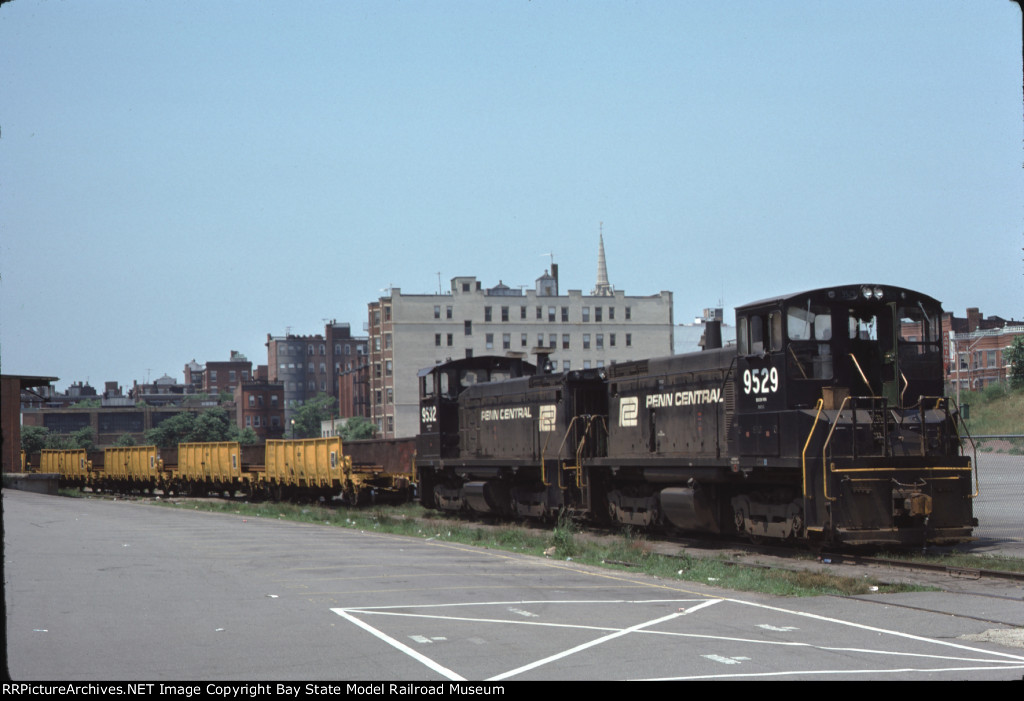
x,y
974,445
578,466
807,443
826,467
828,439
862,375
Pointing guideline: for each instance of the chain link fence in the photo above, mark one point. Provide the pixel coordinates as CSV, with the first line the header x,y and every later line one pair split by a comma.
x,y
999,506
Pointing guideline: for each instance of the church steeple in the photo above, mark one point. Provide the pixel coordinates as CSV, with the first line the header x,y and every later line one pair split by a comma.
x,y
602,288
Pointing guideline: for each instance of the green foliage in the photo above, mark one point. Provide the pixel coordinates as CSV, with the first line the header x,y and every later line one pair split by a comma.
x,y
308,417
84,438
87,404
213,425
1015,357
358,428
33,438
247,436
125,440
995,411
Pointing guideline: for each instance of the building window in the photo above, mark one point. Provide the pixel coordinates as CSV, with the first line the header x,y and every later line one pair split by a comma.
x,y
565,365
611,340
504,313
448,312
437,311
469,352
376,370
586,364
565,341
524,340
506,341
489,341
323,349
629,340
552,340
437,339
391,395
586,314
388,367
387,313
629,313
387,341
522,312
252,400
565,315
539,313
469,327
540,340
551,313
611,313
600,341
586,341
232,376
451,339
487,313
597,314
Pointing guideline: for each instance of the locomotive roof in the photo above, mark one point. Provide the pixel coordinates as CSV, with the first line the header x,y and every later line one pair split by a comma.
x,y
486,362
843,292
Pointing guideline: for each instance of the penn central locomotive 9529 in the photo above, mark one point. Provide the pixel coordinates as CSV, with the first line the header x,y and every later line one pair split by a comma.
x,y
825,422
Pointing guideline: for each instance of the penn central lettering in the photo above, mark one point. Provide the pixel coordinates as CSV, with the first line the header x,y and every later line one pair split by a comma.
x,y
684,398
507,414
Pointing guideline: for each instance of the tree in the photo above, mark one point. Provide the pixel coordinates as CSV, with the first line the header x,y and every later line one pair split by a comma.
x,y
308,417
1015,357
357,428
84,438
213,425
33,438
125,440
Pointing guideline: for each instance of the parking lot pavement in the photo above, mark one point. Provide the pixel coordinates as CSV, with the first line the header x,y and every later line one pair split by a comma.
x,y
98,589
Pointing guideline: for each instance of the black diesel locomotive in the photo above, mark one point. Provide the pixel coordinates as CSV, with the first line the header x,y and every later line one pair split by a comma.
x,y
825,422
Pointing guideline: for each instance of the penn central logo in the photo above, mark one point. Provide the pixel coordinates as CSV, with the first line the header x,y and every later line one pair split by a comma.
x,y
629,411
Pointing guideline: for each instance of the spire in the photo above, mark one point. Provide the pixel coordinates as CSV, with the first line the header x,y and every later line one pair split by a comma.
x,y
602,288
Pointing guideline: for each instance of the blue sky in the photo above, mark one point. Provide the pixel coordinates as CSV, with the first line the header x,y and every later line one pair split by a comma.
x,y
179,179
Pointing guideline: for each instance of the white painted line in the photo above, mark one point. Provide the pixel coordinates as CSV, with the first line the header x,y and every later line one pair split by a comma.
x,y
875,629
837,672
534,602
423,659
598,641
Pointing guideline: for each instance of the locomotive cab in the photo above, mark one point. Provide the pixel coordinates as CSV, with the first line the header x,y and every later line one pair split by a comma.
x,y
843,387
440,387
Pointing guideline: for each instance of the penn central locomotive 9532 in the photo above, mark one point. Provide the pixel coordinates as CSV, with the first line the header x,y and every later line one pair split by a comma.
x,y
825,422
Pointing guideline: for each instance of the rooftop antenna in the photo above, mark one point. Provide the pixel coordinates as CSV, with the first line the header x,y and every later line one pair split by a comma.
x,y
438,282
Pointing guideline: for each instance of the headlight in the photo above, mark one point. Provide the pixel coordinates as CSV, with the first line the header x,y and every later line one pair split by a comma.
x,y
866,291
878,293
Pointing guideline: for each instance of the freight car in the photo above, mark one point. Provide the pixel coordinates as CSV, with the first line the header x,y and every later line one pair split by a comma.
x,y
298,470
826,422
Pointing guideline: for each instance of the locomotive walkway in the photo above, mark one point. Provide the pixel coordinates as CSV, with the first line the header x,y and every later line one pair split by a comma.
x,y
113,590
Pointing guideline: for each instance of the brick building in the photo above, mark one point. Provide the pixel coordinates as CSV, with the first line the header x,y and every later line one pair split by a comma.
x,y
309,365
975,349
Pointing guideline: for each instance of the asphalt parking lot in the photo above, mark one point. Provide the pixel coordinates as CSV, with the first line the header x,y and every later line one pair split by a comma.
x,y
101,589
